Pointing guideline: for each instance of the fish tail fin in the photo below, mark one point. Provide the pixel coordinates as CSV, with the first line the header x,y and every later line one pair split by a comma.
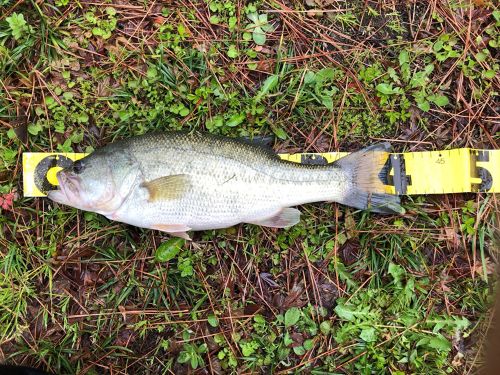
x,y
367,170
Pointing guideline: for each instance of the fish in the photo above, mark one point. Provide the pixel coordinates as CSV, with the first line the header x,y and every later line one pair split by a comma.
x,y
177,182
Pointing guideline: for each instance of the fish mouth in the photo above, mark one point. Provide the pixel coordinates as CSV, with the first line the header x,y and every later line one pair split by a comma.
x,y
69,187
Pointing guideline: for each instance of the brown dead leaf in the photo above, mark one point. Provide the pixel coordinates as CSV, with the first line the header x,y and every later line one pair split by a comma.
x,y
252,309
450,236
489,265
328,293
349,252
123,338
350,225
89,278
297,338
295,298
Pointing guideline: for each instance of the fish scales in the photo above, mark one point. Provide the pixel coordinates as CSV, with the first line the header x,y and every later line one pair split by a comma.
x,y
230,180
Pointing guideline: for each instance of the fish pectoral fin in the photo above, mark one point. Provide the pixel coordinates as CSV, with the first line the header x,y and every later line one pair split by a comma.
x,y
167,188
285,218
177,230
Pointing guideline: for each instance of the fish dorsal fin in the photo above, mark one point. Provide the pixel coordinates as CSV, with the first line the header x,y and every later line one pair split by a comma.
x,y
167,188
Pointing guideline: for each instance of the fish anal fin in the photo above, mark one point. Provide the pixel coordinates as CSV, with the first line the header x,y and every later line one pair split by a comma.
x,y
167,188
181,235
177,230
285,218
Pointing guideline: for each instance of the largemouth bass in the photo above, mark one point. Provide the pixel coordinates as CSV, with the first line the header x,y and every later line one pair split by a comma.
x,y
177,182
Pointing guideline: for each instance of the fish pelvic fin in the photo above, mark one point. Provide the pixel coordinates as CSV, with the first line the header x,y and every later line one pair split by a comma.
x,y
366,169
167,188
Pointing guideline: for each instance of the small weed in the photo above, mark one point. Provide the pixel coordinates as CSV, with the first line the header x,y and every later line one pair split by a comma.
x,y
19,28
258,28
102,26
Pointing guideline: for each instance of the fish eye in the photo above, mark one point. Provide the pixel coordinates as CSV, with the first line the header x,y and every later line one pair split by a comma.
x,y
78,166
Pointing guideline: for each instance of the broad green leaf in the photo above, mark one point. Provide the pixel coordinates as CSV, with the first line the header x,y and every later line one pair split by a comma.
x,y
181,30
259,37
429,68
309,77
270,83
169,249
385,88
11,133
248,348
83,118
18,25
254,17
183,357
345,312
280,133
327,102
424,105
325,327
292,316
396,271
299,350
259,319
212,320
419,79
496,15
97,31
308,344
236,119
489,74
152,72
194,362
263,18
34,128
214,20
111,11
392,73
404,58
438,46
287,340
326,73
267,27
481,56
184,112
68,95
440,100
368,334
440,343
232,52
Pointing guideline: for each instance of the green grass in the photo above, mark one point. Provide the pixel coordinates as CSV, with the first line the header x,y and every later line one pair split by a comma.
x,y
341,292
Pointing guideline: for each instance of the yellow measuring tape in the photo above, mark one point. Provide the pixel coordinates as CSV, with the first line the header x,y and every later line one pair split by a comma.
x,y
461,170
